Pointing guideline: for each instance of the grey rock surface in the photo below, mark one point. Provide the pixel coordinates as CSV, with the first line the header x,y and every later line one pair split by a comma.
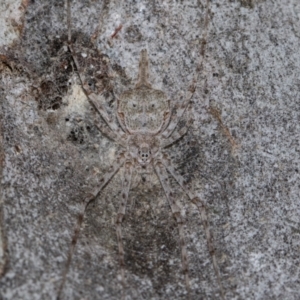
x,y
241,155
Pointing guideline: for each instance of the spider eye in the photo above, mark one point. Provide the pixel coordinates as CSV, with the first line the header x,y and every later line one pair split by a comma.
x,y
134,105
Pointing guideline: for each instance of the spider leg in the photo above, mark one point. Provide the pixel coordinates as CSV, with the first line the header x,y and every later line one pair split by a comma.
x,y
163,178
176,135
183,106
120,217
92,97
180,110
110,134
86,201
203,212
94,100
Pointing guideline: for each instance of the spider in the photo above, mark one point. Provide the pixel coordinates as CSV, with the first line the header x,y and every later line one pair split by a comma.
x,y
146,127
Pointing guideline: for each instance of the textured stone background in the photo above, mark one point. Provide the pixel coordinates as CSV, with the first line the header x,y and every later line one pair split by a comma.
x,y
241,154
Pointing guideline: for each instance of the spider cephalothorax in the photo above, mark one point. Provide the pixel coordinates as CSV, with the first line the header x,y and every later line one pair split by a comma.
x,y
143,148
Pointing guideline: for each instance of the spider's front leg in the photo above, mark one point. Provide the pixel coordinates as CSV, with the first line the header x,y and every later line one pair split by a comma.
x,y
163,178
203,212
120,216
86,201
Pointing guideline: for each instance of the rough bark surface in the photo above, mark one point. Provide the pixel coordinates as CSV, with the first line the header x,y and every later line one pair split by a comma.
x,y
241,155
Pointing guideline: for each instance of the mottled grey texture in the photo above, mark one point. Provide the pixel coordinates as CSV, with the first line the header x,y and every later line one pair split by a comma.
x,y
241,154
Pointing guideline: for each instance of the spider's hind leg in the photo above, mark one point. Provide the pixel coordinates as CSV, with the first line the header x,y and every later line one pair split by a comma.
x,y
99,66
182,106
177,133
